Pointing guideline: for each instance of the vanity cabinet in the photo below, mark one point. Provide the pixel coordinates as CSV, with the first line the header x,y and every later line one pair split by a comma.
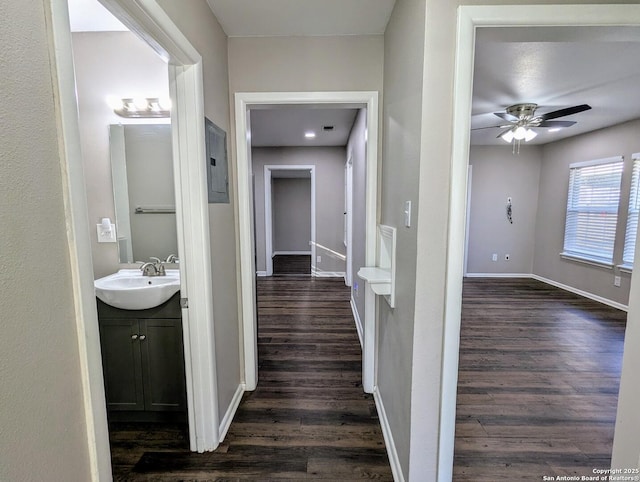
x,y
143,361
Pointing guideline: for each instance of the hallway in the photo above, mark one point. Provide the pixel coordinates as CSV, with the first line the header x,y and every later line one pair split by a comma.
x,y
308,418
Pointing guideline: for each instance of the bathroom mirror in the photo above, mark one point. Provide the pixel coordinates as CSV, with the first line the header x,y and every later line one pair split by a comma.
x,y
143,188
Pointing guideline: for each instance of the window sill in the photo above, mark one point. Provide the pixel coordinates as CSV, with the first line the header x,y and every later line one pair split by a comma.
x,y
626,268
585,260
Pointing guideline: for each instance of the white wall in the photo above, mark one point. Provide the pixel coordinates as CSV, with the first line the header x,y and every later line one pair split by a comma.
x,y
554,182
199,25
329,162
43,435
291,208
356,148
109,63
498,174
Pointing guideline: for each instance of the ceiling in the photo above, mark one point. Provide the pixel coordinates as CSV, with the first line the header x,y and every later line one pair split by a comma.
x,y
556,67
286,126
251,18
91,16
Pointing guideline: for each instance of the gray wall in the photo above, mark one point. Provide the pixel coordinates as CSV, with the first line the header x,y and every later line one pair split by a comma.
x,y
109,63
199,25
329,162
43,434
497,174
403,84
291,207
554,181
149,161
356,148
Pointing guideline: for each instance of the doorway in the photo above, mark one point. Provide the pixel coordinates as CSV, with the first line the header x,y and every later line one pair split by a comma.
x,y
469,19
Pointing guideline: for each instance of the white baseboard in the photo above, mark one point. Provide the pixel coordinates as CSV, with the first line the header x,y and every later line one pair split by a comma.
x,y
261,273
586,294
392,453
290,253
356,317
498,275
225,423
327,274
571,289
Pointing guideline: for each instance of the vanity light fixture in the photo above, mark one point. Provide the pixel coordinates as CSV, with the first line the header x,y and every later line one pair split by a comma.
x,y
141,107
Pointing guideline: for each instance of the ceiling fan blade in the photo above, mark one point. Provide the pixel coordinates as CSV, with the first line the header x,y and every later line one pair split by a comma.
x,y
489,127
556,123
564,112
507,117
503,133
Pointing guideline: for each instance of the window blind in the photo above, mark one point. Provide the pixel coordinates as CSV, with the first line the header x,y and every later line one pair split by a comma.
x,y
632,219
592,209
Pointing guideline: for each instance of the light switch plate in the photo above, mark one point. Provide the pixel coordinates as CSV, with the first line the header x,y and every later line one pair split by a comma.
x,y
407,214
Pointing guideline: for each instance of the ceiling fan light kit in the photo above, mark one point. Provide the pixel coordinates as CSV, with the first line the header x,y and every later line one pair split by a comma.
x,y
522,120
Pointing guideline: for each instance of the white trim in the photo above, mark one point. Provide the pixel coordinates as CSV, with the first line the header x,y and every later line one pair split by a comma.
x,y
348,171
392,452
268,211
356,319
148,20
468,220
291,253
261,273
585,294
625,268
243,101
590,261
498,275
596,162
327,274
469,18
225,423
75,207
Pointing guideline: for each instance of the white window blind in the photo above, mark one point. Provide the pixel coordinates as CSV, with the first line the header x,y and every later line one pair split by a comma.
x,y
632,219
592,209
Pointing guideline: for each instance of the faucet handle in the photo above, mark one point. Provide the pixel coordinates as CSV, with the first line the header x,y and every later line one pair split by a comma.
x,y
153,258
172,258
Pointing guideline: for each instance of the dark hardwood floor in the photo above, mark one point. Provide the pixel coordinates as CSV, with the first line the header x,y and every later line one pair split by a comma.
x,y
308,418
538,382
288,264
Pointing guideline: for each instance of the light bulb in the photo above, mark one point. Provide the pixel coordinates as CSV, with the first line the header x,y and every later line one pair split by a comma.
x,y
114,102
141,103
520,133
508,136
530,135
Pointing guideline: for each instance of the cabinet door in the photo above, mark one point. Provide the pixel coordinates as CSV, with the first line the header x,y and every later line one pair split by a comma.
x,y
163,364
121,364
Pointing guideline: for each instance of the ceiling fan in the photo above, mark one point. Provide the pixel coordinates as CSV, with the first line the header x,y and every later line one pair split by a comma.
x,y
522,119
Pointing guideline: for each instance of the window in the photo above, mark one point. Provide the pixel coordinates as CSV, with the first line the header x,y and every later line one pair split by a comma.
x,y
632,219
592,210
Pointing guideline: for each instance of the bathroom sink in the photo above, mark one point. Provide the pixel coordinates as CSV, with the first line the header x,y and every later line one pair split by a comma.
x,y
130,290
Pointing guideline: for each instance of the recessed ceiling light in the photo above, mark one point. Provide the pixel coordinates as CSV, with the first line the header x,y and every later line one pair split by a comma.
x,y
309,135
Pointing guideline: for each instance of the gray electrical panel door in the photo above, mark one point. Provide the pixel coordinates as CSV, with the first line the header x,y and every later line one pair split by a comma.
x,y
217,170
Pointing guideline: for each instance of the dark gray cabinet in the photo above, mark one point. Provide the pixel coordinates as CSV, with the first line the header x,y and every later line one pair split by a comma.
x,y
143,360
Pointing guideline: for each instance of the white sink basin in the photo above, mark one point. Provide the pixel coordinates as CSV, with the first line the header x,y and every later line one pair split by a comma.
x,y
129,290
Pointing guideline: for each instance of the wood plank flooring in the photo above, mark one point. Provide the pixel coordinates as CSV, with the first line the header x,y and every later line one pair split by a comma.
x,y
287,264
308,418
538,382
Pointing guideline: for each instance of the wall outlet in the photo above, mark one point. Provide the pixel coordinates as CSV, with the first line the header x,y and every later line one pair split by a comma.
x,y
616,281
507,257
494,257
318,259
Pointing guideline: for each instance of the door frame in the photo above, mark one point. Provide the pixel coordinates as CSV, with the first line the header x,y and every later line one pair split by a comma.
x,y
244,101
348,219
149,21
268,211
470,18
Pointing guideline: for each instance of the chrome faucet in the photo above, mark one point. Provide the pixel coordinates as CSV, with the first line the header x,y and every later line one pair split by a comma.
x,y
172,258
155,267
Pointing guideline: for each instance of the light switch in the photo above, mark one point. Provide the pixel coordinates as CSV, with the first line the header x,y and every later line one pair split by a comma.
x,y
407,214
